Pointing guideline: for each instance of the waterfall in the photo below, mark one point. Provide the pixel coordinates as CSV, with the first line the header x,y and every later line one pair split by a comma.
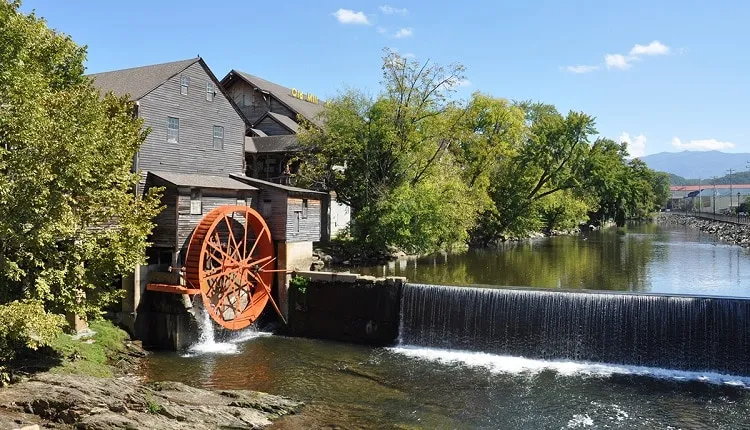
x,y
207,336
674,332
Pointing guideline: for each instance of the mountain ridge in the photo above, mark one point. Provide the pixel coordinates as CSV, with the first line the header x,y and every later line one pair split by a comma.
x,y
697,164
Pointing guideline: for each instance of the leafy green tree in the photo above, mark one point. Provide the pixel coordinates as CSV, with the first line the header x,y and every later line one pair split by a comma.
x,y
389,158
70,221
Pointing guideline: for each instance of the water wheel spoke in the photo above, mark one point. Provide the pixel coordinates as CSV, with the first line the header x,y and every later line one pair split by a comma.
x,y
232,242
222,252
266,265
255,244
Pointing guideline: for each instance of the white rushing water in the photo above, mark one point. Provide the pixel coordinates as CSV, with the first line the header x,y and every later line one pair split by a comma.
x,y
207,343
526,366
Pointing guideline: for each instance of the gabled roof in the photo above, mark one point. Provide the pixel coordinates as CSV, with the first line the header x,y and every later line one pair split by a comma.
x,y
283,120
265,184
259,133
308,110
139,81
202,181
280,143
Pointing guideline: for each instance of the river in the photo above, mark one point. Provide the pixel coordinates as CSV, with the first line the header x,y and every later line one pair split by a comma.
x,y
355,386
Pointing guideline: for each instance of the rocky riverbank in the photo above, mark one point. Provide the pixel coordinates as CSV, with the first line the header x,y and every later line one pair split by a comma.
x,y
83,402
736,234
86,382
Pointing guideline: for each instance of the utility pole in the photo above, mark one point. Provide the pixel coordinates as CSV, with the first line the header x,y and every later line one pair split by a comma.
x,y
714,182
730,189
700,196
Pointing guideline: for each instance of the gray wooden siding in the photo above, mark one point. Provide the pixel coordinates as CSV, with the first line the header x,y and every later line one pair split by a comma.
x,y
165,230
211,199
277,107
194,153
276,217
250,102
271,127
309,228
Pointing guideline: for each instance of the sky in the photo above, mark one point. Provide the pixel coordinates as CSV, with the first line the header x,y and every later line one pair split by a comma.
x,y
660,75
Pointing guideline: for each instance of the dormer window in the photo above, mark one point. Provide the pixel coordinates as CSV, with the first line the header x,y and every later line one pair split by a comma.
x,y
210,91
184,84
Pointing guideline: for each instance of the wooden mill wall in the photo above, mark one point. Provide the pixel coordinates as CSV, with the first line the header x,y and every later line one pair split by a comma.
x,y
309,228
272,207
194,153
211,199
271,127
165,230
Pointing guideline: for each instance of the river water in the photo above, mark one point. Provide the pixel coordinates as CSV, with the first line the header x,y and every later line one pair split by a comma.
x,y
405,386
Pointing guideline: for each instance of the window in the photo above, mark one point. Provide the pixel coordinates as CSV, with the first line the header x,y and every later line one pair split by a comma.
x,y
266,209
184,84
173,129
196,205
305,209
210,92
242,199
218,137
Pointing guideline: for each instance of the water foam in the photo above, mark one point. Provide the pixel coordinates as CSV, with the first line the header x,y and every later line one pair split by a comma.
x,y
207,340
525,366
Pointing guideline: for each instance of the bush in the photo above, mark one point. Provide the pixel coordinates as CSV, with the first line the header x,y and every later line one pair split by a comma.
x,y
26,325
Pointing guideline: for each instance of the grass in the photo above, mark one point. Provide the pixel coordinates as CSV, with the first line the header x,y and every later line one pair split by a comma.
x,y
152,406
84,357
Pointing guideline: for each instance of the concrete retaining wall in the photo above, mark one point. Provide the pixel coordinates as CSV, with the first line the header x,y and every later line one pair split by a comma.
x,y
346,307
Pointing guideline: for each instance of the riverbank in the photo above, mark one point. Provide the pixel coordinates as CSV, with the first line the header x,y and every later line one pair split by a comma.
x,y
735,234
88,382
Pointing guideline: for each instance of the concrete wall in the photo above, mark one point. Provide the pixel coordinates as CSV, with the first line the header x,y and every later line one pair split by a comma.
x,y
346,307
290,256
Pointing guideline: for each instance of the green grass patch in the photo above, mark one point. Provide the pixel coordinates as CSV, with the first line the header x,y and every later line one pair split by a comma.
x,y
84,357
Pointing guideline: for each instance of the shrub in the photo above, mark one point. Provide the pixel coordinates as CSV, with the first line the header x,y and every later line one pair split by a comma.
x,y
26,325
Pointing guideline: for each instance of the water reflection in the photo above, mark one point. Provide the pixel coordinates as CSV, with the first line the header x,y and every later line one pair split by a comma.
x,y
642,258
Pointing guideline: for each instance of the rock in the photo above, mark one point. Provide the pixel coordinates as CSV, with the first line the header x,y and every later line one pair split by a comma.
x,y
65,401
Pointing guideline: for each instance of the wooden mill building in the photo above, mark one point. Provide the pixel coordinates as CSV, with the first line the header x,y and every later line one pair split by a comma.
x,y
196,151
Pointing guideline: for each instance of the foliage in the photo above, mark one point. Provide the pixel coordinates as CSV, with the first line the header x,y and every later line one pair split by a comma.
x,y
70,223
152,406
379,154
299,283
26,325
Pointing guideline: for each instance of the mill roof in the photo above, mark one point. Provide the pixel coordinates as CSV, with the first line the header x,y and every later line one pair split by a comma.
x,y
139,81
202,181
259,183
280,143
308,110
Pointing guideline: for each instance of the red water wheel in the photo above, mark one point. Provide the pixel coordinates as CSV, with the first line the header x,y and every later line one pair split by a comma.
x,y
230,258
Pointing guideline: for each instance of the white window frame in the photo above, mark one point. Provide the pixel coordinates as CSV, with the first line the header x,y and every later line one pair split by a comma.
x,y
218,139
173,133
196,201
210,91
184,84
305,208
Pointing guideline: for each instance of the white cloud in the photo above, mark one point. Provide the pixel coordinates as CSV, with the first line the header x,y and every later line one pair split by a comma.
x,y
348,16
409,55
403,32
390,10
636,145
580,69
382,30
617,61
653,48
702,144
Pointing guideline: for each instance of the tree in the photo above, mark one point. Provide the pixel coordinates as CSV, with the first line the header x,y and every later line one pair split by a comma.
x,y
389,158
70,221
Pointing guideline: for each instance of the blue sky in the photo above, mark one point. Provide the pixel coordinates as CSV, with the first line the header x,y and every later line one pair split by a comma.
x,y
663,75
